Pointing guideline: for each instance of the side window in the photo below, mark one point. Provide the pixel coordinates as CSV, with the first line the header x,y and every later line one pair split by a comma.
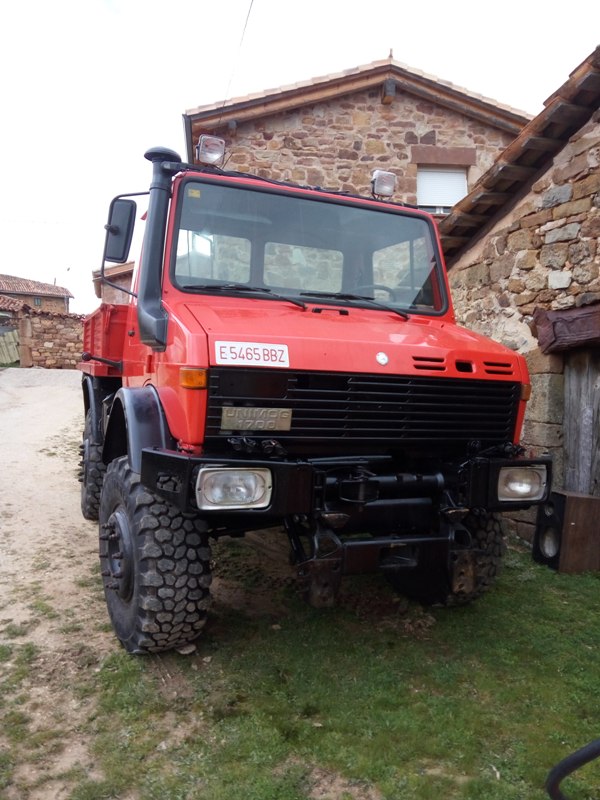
x,y
304,268
207,257
406,267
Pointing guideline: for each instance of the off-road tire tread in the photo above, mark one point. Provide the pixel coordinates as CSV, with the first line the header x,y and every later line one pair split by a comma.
x,y
487,532
430,582
170,599
92,474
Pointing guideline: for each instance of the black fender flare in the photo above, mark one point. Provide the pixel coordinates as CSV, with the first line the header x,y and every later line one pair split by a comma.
x,y
137,420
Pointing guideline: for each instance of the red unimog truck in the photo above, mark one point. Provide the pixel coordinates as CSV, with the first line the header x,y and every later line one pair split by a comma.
x,y
289,358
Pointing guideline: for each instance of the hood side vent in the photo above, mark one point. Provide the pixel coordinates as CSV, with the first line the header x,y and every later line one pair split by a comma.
x,y
430,363
498,368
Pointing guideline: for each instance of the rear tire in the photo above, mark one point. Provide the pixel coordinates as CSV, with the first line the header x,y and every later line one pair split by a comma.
x,y
92,472
430,582
155,563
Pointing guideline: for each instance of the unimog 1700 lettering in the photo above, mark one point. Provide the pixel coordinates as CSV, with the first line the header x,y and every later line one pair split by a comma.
x,y
289,358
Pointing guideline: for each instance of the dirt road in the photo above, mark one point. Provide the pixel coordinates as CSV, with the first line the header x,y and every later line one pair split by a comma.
x,y
51,613
54,627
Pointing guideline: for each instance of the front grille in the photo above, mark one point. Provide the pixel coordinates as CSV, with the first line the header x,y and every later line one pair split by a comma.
x,y
343,410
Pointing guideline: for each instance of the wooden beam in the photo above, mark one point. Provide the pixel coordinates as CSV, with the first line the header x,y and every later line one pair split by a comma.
x,y
454,241
569,113
568,328
486,198
502,170
542,143
464,219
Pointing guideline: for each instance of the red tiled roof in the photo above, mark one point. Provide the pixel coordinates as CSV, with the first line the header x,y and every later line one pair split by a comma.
x,y
339,77
10,303
9,284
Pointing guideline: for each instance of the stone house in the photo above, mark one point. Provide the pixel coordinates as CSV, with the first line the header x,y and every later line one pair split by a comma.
x,y
36,327
333,131
37,295
117,284
523,251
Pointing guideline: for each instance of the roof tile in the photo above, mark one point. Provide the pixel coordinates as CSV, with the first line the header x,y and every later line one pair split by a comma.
x,y
10,284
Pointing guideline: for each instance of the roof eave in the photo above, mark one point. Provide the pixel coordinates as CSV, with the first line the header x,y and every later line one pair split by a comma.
x,y
523,161
218,116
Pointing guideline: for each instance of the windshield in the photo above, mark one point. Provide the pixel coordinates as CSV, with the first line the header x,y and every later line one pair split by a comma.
x,y
295,246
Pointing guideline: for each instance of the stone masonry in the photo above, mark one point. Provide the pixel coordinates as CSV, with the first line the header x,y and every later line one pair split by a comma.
x,y
50,340
337,145
544,253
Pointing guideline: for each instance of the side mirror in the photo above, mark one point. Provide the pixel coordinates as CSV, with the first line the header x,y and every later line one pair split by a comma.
x,y
119,230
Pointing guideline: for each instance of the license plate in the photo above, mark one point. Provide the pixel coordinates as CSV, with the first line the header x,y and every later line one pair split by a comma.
x,y
258,354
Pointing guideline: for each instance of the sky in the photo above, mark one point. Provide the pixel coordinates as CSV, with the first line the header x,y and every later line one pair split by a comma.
x,y
89,85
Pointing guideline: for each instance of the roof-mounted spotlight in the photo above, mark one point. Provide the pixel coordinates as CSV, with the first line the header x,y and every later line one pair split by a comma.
x,y
383,184
210,150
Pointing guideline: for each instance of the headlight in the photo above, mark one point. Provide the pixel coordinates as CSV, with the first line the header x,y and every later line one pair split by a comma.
x,y
522,483
229,488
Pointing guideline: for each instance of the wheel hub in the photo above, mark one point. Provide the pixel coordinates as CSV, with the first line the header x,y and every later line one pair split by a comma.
x,y
119,564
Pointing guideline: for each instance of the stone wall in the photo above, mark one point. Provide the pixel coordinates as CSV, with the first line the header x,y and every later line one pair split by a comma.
x,y
544,253
338,144
48,340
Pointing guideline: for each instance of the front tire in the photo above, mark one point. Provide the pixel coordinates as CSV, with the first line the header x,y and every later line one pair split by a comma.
x,y
155,564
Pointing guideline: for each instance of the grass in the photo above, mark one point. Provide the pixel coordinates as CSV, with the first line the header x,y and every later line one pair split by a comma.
x,y
462,704
372,700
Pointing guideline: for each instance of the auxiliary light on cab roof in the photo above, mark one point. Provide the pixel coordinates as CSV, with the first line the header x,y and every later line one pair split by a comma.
x,y
383,183
210,150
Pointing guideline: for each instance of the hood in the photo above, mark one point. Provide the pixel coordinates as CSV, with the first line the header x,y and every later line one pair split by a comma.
x,y
259,333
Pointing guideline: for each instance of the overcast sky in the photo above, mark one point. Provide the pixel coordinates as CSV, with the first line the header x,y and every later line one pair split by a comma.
x,y
89,85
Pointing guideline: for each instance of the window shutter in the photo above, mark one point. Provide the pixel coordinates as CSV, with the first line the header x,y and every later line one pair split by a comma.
x,y
440,186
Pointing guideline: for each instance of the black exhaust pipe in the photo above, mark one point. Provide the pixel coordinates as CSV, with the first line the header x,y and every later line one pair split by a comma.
x,y
152,317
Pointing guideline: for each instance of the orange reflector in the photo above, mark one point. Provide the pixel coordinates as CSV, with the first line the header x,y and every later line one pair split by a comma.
x,y
191,378
525,391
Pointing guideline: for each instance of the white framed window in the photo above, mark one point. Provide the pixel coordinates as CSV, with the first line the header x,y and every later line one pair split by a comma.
x,y
439,188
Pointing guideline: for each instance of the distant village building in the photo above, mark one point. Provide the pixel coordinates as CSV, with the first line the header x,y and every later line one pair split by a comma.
x,y
117,284
36,328
39,296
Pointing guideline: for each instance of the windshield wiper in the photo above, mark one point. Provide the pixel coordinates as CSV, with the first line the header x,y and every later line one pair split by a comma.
x,y
240,287
361,298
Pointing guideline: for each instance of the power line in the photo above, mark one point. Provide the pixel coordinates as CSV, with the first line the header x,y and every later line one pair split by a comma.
x,y
235,64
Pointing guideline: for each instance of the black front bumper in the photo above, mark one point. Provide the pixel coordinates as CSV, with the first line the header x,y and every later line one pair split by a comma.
x,y
364,493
